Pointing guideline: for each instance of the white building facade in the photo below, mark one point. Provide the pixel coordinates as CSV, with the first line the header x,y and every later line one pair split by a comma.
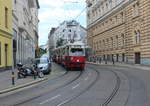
x,y
25,29
51,40
67,31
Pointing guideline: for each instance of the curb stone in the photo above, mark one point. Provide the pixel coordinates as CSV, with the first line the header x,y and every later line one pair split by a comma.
x,y
22,86
130,66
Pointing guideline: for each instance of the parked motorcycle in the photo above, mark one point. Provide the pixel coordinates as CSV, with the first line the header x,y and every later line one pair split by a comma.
x,y
22,73
38,71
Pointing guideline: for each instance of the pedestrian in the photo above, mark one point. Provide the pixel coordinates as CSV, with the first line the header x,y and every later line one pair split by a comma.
x,y
100,60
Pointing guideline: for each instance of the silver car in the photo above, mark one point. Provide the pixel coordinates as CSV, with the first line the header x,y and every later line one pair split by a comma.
x,y
43,64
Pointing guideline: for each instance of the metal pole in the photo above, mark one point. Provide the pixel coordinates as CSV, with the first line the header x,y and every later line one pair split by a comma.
x,y
13,73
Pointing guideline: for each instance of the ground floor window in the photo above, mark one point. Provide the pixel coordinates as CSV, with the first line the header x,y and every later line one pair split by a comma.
x,y
108,57
123,57
117,57
138,58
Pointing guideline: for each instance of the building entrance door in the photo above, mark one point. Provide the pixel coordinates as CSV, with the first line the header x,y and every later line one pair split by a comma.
x,y
123,57
138,58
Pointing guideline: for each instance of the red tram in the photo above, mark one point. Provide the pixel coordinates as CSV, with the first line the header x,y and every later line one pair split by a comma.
x,y
71,56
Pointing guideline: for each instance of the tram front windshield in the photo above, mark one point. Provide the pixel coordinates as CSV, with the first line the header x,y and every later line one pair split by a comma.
x,y
77,52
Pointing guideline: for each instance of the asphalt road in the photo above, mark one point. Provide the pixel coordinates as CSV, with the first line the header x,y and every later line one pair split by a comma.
x,y
95,86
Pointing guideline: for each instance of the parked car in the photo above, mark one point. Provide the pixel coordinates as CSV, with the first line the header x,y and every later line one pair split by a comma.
x,y
43,64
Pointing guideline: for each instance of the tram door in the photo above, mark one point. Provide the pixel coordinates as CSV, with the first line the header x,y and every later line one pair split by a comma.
x,y
138,58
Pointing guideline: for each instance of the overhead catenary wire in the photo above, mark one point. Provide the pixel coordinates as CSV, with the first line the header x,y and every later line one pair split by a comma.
x,y
80,13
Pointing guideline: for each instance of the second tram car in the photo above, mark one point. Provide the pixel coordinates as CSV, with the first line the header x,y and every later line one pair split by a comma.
x,y
71,56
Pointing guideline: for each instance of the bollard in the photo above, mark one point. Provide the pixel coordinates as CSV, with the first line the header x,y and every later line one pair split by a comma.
x,y
13,78
105,61
34,75
113,61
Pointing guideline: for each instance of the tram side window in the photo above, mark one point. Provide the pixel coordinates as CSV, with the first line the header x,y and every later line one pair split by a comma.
x,y
77,52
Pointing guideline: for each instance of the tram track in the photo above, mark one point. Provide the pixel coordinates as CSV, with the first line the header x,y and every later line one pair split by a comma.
x,y
115,90
82,92
33,98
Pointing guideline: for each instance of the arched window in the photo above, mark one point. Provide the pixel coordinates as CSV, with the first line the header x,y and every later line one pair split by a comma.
x,y
137,36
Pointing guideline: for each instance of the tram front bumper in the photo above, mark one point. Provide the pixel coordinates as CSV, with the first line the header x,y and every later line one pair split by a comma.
x,y
76,64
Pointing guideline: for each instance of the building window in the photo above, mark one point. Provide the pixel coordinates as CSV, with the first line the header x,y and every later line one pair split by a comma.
x,y
122,17
137,36
103,44
112,42
117,42
106,6
117,57
107,41
136,9
100,45
116,20
0,53
14,34
123,40
6,17
110,3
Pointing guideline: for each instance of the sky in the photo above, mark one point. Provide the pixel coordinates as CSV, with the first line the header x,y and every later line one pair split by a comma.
x,y
54,12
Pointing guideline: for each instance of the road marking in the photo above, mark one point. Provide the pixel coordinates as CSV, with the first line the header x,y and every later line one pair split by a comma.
x,y
75,86
86,78
63,102
48,100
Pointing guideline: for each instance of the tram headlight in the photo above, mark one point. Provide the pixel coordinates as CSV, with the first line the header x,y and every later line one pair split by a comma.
x,y
71,58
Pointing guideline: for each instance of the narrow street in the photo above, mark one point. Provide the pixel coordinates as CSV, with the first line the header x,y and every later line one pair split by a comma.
x,y
97,86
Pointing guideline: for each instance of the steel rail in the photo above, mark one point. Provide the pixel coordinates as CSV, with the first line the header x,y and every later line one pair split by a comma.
x,y
85,90
64,85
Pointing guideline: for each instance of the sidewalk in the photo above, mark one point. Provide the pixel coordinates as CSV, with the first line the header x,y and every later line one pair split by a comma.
x,y
6,80
136,66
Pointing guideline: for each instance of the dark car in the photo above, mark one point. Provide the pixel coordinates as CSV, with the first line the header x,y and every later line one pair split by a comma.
x,y
43,64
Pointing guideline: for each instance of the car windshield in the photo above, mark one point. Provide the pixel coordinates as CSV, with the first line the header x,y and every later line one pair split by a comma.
x,y
76,52
41,60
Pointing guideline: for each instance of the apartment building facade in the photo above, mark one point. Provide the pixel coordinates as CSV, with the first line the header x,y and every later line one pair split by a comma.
x,y
68,31
5,34
119,30
25,29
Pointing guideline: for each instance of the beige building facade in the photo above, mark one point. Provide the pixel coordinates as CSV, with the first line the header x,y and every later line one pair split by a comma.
x,y
119,30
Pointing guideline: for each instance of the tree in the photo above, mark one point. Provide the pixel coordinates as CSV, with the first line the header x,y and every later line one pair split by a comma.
x,y
59,42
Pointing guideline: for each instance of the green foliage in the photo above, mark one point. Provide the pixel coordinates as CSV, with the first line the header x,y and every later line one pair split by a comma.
x,y
40,52
59,42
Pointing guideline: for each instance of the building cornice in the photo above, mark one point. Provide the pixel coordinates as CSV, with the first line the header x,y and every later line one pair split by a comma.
x,y
114,10
9,35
